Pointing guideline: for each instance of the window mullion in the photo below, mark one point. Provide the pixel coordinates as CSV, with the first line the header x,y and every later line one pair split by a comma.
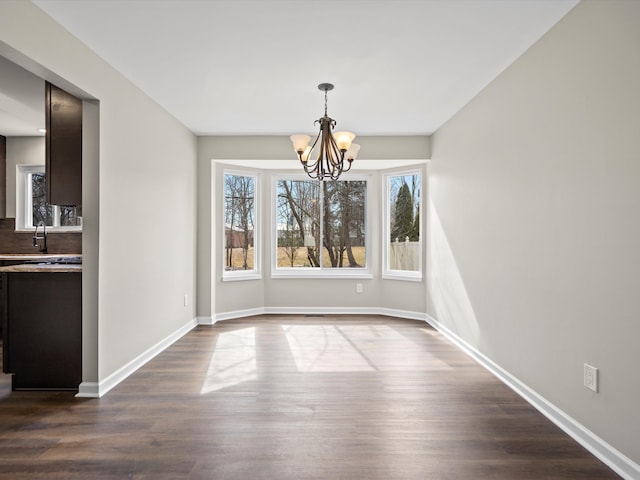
x,y
28,200
55,214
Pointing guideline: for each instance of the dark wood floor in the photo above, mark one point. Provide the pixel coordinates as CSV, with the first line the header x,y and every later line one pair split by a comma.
x,y
288,397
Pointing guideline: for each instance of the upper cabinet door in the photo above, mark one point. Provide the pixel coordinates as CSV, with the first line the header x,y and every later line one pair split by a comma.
x,y
63,147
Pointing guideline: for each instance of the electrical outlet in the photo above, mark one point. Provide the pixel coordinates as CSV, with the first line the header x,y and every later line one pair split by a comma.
x,y
591,377
359,288
186,300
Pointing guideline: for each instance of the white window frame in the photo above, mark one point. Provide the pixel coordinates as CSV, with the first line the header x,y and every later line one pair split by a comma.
x,y
24,202
320,272
256,272
388,273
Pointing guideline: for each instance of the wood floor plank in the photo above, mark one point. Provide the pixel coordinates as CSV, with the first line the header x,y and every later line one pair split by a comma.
x,y
293,397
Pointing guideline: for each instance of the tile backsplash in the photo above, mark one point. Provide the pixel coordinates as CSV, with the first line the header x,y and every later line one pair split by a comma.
x,y
22,242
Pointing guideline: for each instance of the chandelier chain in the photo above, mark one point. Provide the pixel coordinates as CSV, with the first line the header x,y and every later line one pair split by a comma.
x,y
325,102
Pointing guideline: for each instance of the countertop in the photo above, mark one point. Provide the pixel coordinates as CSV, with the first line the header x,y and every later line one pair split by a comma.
x,y
41,268
51,263
37,256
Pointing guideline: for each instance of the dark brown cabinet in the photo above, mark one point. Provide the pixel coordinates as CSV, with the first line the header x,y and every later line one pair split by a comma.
x,y
42,334
63,148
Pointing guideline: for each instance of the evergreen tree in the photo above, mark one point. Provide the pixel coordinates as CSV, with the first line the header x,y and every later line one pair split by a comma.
x,y
415,231
403,215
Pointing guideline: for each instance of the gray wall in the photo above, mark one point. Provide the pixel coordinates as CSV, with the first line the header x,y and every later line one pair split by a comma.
x,y
216,297
533,219
139,179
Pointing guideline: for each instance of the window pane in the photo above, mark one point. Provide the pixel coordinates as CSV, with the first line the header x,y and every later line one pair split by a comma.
x,y
404,222
298,223
344,224
42,211
69,217
239,212
321,224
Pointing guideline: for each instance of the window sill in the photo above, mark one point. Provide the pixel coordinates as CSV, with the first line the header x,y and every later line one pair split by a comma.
x,y
403,277
50,230
238,277
321,274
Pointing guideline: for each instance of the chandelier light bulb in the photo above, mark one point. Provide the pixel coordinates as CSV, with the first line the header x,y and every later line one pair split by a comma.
x,y
300,142
352,153
305,155
344,139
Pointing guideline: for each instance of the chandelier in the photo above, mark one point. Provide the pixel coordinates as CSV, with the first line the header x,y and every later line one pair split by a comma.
x,y
336,151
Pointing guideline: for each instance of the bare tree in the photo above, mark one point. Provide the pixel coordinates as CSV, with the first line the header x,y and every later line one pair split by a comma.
x,y
239,217
338,205
289,234
343,219
301,200
42,211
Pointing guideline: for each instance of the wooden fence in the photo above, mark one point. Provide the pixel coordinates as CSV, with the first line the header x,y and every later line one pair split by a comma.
x,y
404,255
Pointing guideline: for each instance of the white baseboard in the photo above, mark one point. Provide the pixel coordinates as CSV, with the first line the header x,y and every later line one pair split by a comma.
x,y
97,390
249,312
88,390
312,311
614,459
321,310
205,320
403,314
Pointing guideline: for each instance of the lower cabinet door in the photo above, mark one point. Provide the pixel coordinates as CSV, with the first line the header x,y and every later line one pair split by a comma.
x,y
44,323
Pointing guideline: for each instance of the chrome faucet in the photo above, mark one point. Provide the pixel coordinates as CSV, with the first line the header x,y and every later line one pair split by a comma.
x,y
43,248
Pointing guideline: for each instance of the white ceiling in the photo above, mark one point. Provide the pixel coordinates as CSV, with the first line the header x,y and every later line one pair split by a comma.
x,y
252,66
